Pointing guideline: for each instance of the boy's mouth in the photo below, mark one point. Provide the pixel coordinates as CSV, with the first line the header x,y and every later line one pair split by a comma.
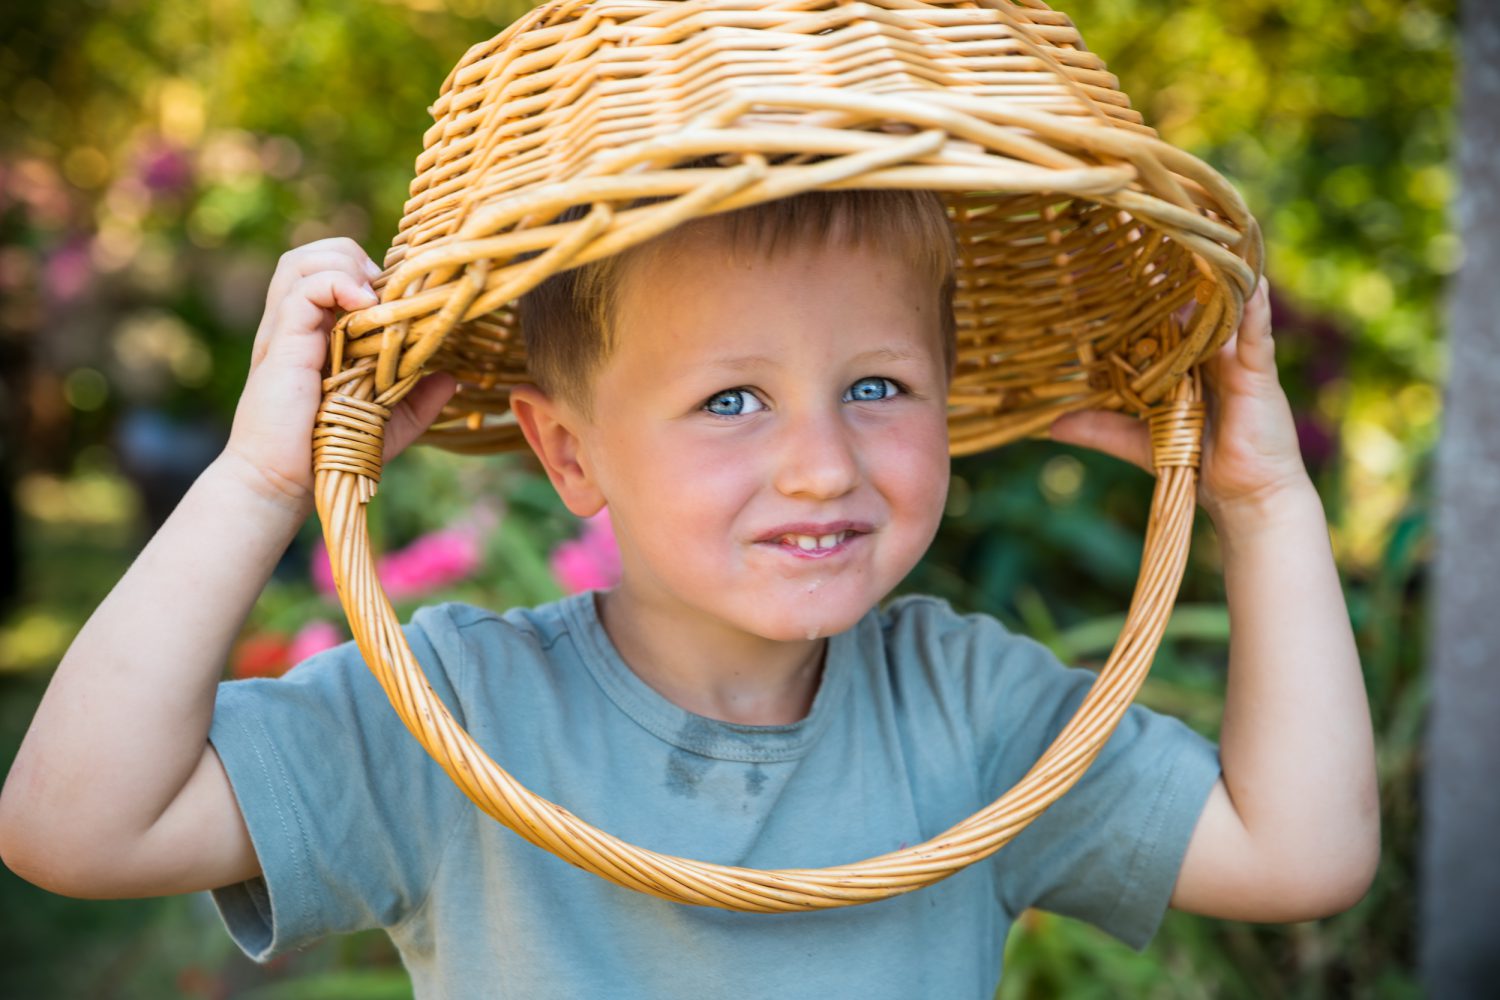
x,y
815,541
815,546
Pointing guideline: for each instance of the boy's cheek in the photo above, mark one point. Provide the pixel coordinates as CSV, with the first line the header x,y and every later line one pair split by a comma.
x,y
918,444
916,469
698,454
696,477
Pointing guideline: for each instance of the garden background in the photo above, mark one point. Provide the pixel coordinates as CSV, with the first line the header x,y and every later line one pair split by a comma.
x,y
157,156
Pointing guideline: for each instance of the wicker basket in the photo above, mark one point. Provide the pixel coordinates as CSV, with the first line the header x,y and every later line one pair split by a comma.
x,y
1099,266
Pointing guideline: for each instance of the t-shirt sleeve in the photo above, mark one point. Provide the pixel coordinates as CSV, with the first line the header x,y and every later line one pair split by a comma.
x,y
347,812
1109,850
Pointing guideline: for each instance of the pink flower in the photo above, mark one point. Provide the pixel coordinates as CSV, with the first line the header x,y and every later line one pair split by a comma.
x,y
432,561
68,270
320,568
591,561
313,638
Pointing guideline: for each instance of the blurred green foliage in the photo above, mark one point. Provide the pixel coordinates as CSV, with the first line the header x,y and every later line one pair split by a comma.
x,y
157,157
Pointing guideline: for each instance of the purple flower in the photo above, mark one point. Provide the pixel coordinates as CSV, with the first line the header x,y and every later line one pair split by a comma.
x,y
164,169
591,561
1316,439
1326,366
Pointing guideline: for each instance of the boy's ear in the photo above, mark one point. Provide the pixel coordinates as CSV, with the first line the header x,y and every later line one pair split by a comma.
x,y
552,430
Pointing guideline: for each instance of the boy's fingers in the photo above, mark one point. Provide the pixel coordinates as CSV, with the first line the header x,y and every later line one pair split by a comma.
x,y
1256,350
337,253
1257,315
275,314
1213,365
1250,346
295,265
1109,431
305,311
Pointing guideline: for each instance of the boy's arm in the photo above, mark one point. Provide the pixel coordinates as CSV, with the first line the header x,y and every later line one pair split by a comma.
x,y
1292,829
115,791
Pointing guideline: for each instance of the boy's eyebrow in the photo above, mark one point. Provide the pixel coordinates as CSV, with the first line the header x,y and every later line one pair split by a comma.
x,y
741,362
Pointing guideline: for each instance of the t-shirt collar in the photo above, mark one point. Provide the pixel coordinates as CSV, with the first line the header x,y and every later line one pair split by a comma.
x,y
698,733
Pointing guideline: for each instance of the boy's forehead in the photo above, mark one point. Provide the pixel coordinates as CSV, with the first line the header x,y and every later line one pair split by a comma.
x,y
693,304
696,272
739,331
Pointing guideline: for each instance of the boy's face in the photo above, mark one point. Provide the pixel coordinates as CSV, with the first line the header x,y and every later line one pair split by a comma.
x,y
701,459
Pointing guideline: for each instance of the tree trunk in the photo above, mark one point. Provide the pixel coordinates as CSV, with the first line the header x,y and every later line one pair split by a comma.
x,y
1460,877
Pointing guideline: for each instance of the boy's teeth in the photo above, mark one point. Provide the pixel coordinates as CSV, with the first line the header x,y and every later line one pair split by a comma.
x,y
810,542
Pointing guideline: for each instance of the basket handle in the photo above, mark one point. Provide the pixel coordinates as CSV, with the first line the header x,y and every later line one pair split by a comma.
x,y
347,459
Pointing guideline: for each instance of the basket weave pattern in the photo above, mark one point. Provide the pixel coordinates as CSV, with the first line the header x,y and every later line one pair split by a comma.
x,y
1098,266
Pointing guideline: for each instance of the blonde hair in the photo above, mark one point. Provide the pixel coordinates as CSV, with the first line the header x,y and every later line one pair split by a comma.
x,y
567,320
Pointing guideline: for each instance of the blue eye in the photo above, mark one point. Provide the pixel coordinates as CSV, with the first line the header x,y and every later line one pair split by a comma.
x,y
859,389
734,400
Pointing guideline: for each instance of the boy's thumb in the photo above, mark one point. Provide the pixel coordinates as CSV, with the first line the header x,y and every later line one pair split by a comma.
x,y
1071,428
429,396
1117,434
417,410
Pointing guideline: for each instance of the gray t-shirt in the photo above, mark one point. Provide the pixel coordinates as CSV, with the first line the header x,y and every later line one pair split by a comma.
x,y
922,717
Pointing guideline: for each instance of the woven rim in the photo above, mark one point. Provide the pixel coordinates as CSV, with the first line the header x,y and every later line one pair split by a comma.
x,y
1098,268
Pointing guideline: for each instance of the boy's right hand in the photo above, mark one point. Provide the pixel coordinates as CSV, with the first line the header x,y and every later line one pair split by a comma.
x,y
270,441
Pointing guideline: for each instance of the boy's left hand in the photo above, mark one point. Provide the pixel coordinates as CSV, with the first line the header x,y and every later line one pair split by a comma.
x,y
1250,450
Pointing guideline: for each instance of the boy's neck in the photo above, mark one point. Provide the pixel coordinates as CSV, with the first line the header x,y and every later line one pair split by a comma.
x,y
711,669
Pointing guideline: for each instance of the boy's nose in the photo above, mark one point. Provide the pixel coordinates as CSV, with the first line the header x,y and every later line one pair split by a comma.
x,y
815,456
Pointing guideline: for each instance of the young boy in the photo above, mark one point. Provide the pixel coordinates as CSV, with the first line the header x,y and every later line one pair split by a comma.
x,y
759,398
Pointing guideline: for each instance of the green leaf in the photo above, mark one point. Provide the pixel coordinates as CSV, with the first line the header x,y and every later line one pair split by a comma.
x,y
392,984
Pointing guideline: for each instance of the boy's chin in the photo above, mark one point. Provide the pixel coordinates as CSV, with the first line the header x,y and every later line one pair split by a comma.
x,y
811,621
